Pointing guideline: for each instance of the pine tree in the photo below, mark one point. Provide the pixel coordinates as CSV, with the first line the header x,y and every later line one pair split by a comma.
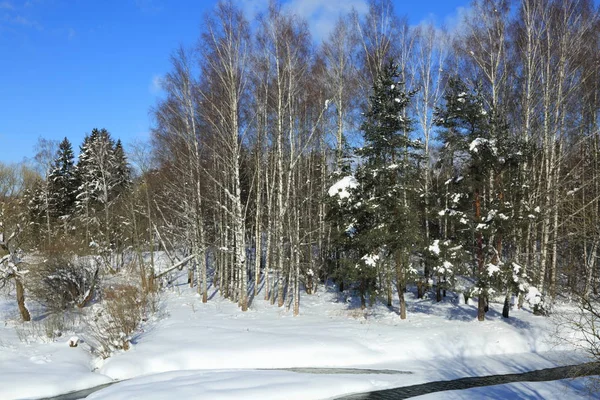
x,y
478,158
465,152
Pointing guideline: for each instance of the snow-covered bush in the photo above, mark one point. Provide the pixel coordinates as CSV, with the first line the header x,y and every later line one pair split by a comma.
x,y
537,301
114,321
60,282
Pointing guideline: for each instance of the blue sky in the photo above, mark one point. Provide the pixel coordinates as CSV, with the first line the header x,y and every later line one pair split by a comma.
x,y
67,66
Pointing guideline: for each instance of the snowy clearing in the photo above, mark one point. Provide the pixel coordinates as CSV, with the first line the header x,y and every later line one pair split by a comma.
x,y
216,349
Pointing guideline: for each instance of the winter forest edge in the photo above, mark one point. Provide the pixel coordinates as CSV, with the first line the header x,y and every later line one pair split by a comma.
x,y
389,159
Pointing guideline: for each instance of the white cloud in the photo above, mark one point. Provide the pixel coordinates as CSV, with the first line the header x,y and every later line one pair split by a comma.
x,y
454,22
6,5
155,85
322,15
251,8
26,22
71,33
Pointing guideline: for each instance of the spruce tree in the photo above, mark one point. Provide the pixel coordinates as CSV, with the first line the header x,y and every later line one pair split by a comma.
x,y
103,175
384,229
62,182
122,172
36,209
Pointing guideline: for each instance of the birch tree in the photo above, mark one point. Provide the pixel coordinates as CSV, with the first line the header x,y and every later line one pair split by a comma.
x,y
225,57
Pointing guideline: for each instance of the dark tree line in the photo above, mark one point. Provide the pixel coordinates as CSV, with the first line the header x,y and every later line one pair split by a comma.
x,y
78,201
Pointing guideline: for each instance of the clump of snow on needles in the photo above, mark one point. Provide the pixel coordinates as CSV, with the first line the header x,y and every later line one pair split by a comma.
x,y
435,247
340,188
370,259
533,296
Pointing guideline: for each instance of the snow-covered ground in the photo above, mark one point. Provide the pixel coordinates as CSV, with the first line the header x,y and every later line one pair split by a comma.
x,y
31,367
218,351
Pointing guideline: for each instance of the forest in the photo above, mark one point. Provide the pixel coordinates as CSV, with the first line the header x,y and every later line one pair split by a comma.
x,y
388,158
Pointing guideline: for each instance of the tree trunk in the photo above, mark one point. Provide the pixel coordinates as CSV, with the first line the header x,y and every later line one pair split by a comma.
x,y
400,283
506,308
25,316
481,303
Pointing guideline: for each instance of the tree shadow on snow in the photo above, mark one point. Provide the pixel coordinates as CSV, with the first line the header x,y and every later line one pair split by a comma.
x,y
213,294
454,312
462,312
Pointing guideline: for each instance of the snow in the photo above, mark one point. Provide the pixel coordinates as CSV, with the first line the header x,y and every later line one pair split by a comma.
x,y
533,296
516,267
370,259
492,269
73,341
39,369
445,268
216,335
503,217
480,227
477,142
341,187
456,198
266,385
435,247
215,351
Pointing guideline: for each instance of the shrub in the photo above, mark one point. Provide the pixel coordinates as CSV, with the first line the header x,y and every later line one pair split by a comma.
x,y
60,283
113,324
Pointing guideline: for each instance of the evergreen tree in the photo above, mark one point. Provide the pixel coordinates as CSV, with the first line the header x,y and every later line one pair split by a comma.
x,y
122,171
103,175
62,182
36,209
383,229
477,158
84,203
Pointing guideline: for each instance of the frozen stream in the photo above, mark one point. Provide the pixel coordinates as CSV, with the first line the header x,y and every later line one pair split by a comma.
x,y
542,375
405,392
